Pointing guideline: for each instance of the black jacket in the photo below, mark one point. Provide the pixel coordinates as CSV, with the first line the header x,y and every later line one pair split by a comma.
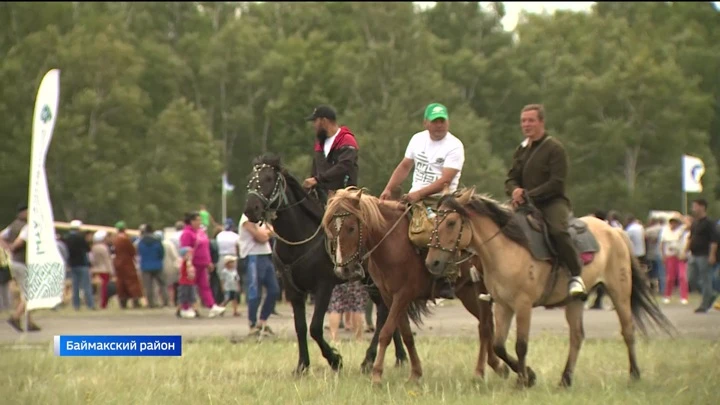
x,y
340,168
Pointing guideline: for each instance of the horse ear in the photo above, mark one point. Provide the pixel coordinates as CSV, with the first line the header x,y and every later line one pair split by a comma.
x,y
466,195
358,197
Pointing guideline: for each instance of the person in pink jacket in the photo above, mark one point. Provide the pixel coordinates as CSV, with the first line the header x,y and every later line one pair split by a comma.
x,y
195,238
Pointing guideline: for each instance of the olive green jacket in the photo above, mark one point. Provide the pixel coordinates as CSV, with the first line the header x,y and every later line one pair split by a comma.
x,y
541,170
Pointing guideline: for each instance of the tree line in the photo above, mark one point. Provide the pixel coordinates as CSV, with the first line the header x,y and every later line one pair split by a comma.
x,y
158,99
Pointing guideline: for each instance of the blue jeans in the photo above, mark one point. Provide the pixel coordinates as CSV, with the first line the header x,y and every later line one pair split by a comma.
x,y
700,278
259,271
657,271
81,279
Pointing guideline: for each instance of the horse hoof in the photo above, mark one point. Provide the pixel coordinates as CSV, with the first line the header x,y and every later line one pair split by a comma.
x,y
503,371
400,362
337,363
565,381
635,375
376,379
531,377
301,370
366,367
480,375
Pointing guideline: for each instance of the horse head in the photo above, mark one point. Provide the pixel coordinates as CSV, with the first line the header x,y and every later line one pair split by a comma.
x,y
348,217
267,189
452,232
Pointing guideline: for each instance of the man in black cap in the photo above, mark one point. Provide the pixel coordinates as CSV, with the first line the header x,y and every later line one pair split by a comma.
x,y
336,153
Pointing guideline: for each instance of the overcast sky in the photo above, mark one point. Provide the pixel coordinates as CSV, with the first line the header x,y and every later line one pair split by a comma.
x,y
513,9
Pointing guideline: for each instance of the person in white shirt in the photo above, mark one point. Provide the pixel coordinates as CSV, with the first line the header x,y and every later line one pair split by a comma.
x,y
175,237
228,242
435,155
636,232
259,271
436,158
14,240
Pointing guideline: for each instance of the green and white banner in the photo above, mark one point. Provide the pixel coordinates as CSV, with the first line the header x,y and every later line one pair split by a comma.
x,y
46,268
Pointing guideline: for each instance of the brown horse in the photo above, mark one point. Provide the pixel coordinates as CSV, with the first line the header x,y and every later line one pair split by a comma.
x,y
517,281
362,226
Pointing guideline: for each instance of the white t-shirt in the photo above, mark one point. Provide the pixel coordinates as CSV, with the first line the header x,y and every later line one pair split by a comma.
x,y
671,241
431,157
329,142
227,242
636,233
248,244
5,234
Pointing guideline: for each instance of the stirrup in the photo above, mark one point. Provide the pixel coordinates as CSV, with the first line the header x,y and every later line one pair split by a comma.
x,y
577,282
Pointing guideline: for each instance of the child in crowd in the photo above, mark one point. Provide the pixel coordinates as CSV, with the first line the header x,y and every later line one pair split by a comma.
x,y
186,285
231,283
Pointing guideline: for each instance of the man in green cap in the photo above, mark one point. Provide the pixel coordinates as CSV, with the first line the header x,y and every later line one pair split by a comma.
x,y
437,157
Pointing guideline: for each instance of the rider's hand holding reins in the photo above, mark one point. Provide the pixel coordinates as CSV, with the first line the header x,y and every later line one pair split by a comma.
x,y
309,183
518,197
411,198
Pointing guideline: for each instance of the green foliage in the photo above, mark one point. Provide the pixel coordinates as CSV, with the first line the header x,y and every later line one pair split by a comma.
x,y
158,99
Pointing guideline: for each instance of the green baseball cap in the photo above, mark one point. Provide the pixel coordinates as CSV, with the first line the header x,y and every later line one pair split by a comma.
x,y
120,225
435,111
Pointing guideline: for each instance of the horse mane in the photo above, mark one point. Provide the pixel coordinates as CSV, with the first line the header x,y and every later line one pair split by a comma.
x,y
270,159
352,200
501,214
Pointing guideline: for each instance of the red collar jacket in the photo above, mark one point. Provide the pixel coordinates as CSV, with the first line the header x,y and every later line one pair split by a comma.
x,y
339,169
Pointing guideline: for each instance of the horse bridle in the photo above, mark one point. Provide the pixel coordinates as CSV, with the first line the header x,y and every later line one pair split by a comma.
x,y
339,219
455,250
440,217
278,194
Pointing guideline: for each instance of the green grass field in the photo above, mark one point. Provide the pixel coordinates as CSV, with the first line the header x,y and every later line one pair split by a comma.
x,y
214,371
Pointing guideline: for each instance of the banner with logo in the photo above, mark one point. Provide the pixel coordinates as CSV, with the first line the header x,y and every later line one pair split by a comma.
x,y
693,169
46,268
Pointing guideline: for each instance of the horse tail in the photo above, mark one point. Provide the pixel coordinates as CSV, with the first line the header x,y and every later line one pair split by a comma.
x,y
643,305
417,310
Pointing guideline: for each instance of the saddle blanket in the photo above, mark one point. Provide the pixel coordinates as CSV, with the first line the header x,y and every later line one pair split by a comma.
x,y
585,242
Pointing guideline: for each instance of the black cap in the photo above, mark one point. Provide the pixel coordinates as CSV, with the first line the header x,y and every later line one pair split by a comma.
x,y
21,207
322,111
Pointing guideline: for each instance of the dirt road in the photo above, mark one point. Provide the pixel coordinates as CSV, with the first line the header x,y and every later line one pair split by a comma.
x,y
450,319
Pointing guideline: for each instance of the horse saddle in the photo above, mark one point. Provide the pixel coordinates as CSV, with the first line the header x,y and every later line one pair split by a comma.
x,y
421,225
541,246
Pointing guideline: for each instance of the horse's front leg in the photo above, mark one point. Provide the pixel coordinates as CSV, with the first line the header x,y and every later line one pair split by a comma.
x,y
298,305
322,301
398,305
409,339
381,317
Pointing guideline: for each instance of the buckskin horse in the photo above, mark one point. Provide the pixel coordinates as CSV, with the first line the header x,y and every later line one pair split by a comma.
x,y
361,226
521,272
300,256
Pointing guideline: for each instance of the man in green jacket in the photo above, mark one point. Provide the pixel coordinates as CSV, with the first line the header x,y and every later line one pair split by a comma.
x,y
540,168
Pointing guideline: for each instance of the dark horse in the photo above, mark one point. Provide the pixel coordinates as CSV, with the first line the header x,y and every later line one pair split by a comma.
x,y
302,260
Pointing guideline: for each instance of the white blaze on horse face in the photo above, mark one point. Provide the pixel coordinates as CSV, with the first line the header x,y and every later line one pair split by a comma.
x,y
338,254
